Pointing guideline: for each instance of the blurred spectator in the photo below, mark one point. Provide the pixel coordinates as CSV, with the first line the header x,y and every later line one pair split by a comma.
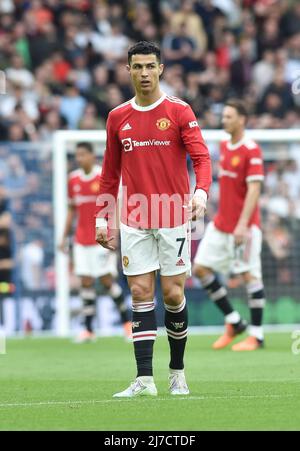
x,y
290,21
80,74
5,216
193,24
279,241
122,79
16,177
263,72
114,47
17,98
18,74
50,124
6,258
269,37
32,259
60,67
16,133
21,43
277,99
241,69
72,105
7,7
90,119
181,48
101,18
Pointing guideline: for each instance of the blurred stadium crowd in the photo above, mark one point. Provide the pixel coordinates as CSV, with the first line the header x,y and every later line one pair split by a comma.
x,y
64,65
64,59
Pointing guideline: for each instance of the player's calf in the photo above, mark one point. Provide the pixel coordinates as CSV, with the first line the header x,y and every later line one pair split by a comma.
x,y
256,302
116,293
88,296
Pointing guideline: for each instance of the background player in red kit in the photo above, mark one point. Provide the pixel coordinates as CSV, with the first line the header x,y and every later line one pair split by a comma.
x,y
148,139
90,261
232,242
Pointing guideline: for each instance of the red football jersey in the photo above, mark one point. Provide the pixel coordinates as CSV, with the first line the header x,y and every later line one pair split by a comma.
x,y
82,192
148,147
239,164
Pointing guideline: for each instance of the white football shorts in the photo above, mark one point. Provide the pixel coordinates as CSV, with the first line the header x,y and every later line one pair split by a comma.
x,y
218,252
94,261
147,250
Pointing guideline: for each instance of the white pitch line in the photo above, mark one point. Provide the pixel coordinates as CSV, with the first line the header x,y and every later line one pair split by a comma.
x,y
109,401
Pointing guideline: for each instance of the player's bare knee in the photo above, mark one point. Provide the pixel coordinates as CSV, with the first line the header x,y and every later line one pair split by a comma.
x,y
173,295
141,292
107,281
250,278
87,282
201,271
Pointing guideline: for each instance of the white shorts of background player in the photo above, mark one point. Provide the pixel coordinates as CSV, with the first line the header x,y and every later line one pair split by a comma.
x,y
218,252
147,250
94,261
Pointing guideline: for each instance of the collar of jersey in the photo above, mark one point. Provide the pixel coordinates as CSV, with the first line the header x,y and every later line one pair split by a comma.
x,y
149,107
235,146
86,177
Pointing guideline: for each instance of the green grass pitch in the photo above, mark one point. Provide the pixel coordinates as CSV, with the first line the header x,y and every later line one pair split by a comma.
x,y
52,384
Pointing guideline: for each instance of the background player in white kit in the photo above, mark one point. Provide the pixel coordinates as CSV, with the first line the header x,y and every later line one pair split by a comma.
x,y
148,139
90,260
232,242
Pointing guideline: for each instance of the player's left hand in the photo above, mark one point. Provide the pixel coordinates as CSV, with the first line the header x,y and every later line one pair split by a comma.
x,y
103,239
199,204
240,234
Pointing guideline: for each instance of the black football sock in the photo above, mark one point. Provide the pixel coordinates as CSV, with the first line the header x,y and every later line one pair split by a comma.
x,y
218,294
256,302
176,322
144,331
88,296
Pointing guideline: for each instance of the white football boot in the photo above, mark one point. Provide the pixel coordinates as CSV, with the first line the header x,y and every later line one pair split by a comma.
x,y
142,386
177,383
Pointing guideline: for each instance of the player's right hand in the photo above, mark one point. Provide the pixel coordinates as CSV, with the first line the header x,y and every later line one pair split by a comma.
x,y
64,246
102,238
199,204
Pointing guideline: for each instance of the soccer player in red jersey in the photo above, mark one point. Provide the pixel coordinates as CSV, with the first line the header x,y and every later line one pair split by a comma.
x,y
232,242
90,260
148,139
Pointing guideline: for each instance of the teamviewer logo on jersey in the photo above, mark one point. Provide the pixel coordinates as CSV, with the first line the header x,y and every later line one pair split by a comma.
x,y
127,144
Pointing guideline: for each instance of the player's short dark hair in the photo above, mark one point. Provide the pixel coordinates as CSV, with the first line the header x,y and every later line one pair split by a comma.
x,y
239,106
86,145
144,48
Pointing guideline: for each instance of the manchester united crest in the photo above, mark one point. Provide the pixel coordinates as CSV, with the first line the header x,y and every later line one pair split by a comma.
x,y
163,123
235,161
94,187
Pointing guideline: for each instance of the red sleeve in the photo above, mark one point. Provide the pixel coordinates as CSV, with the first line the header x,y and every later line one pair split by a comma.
x,y
196,147
255,165
70,192
111,173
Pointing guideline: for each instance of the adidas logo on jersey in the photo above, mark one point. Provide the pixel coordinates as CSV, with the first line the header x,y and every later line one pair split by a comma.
x,y
126,127
180,262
